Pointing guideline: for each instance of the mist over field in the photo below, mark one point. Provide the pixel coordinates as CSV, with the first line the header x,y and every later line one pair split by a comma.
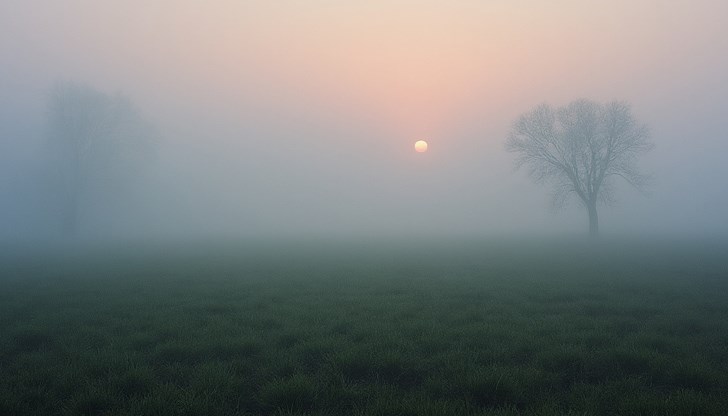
x,y
293,119
219,208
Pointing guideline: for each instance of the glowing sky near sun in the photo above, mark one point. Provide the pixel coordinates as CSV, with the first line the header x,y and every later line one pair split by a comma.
x,y
294,102
411,65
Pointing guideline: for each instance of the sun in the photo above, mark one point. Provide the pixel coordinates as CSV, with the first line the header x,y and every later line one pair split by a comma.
x,y
420,146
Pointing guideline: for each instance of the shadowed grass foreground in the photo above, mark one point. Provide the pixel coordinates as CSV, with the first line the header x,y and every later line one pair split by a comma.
x,y
366,330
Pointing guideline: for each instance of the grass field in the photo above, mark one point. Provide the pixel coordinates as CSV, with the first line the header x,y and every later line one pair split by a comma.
x,y
366,329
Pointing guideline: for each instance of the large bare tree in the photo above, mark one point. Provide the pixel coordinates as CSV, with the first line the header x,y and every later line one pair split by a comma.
x,y
579,149
99,141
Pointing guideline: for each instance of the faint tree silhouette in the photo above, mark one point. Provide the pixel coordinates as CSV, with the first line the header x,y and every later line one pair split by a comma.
x,y
98,142
580,149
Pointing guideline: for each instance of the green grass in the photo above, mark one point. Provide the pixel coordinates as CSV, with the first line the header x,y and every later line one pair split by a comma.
x,y
365,329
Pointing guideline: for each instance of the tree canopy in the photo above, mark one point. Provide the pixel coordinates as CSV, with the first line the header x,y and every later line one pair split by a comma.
x,y
580,149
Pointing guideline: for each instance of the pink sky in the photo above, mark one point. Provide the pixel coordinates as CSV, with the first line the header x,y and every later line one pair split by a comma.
x,y
331,80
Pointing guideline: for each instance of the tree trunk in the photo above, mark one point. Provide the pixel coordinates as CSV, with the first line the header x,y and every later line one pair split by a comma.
x,y
70,211
593,218
70,219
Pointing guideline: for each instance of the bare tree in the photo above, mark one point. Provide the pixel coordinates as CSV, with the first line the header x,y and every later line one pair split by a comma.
x,y
99,141
580,149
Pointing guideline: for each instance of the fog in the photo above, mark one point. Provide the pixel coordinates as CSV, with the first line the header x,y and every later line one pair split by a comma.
x,y
298,119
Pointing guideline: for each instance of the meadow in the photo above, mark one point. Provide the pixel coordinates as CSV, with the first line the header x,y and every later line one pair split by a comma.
x,y
368,328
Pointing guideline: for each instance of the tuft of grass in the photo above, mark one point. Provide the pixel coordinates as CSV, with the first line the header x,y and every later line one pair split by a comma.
x,y
296,393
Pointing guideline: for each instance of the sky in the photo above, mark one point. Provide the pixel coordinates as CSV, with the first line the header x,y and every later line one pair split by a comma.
x,y
299,117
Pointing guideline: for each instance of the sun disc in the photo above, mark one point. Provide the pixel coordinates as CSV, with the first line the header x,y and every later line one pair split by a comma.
x,y
420,146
